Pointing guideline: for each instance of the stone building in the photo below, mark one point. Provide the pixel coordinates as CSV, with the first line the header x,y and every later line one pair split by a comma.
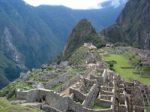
x,y
104,93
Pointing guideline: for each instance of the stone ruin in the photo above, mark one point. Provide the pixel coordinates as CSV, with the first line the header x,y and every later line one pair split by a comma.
x,y
90,46
104,93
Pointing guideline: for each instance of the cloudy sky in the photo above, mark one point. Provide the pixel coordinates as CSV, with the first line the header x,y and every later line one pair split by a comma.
x,y
74,4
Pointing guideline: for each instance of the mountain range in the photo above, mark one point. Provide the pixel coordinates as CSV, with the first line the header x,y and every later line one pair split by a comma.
x,y
31,36
132,26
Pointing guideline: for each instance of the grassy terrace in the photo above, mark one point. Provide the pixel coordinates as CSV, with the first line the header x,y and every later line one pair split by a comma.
x,y
56,87
125,69
6,106
99,107
148,108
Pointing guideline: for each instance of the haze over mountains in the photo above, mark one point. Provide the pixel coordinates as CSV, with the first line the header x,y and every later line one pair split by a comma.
x,y
31,36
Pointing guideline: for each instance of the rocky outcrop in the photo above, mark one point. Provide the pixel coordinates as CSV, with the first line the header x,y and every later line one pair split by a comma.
x,y
132,26
10,49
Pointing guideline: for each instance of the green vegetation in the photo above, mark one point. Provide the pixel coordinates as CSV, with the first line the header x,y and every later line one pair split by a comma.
x,y
97,106
133,59
147,108
146,69
111,64
6,106
38,31
8,70
79,56
83,32
14,85
76,71
124,68
126,32
98,72
56,87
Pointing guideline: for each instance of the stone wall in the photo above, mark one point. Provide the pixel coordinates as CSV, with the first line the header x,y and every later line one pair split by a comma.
x,y
21,94
103,102
77,95
112,92
57,80
47,108
123,108
37,95
67,84
86,85
56,101
93,93
74,107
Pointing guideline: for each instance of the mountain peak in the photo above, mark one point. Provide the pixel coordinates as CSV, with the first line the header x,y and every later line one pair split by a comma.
x,y
82,33
84,26
79,35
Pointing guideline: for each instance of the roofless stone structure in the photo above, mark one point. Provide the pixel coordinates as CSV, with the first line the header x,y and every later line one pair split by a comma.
x,y
104,93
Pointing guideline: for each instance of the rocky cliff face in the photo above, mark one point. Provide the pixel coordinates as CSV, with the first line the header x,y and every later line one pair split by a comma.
x,y
10,49
83,32
132,25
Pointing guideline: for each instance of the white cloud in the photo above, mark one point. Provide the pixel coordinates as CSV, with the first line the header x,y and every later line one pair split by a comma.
x,y
116,3
75,4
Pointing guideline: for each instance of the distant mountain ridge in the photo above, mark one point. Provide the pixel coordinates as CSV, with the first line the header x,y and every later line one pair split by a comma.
x,y
132,26
31,36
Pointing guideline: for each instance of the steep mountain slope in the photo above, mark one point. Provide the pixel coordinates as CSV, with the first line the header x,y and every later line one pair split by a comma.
x,y
31,36
24,38
132,25
3,81
82,33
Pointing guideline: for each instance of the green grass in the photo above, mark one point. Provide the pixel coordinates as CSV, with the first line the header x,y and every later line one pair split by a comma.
x,y
14,85
148,108
78,57
99,107
134,59
146,69
127,74
76,71
56,87
6,106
